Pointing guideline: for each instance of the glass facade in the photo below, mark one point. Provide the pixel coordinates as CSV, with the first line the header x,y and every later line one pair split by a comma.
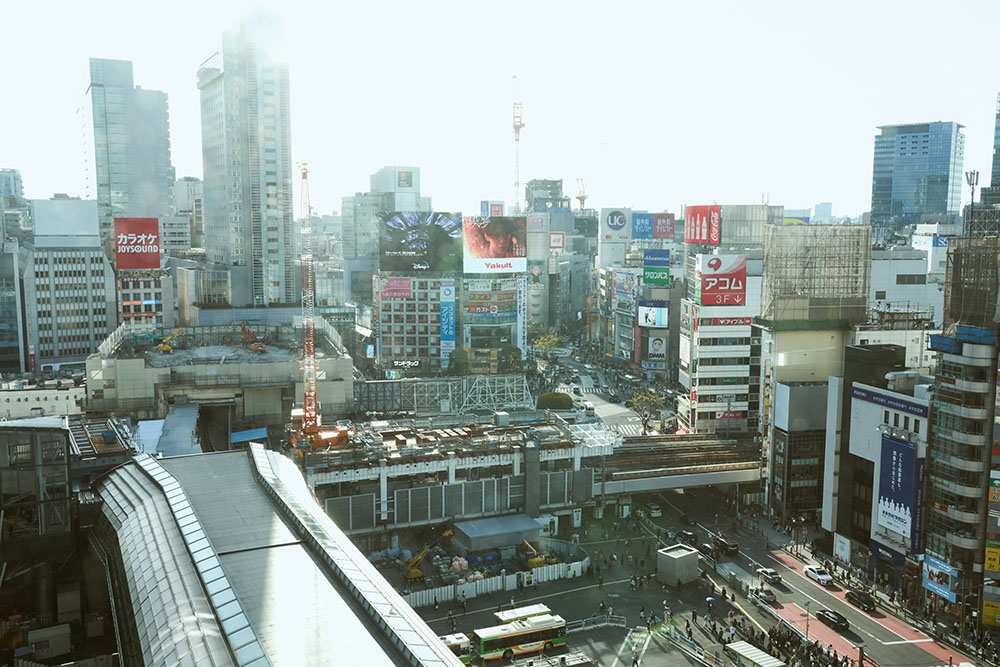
x,y
917,171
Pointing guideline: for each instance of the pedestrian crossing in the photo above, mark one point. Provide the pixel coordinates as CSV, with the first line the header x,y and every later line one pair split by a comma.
x,y
585,390
626,429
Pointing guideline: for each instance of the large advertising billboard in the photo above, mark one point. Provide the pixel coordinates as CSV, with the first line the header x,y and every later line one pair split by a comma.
x,y
418,241
653,313
495,245
663,226
657,348
488,209
137,243
895,487
616,224
624,283
642,225
656,267
396,288
940,578
446,312
702,224
723,279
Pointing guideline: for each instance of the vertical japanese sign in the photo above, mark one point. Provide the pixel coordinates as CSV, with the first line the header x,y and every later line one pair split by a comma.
x,y
522,314
447,317
895,487
642,225
663,226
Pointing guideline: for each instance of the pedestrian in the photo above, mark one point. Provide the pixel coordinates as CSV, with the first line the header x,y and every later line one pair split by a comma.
x,y
512,602
435,602
464,611
635,659
600,581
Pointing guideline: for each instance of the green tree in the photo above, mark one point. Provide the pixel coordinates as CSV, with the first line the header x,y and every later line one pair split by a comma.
x,y
555,400
547,342
458,362
509,360
647,405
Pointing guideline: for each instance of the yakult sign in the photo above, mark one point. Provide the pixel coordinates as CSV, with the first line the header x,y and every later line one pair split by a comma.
x,y
137,243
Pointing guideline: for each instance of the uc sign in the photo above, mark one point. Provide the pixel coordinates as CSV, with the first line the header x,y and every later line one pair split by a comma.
x,y
616,220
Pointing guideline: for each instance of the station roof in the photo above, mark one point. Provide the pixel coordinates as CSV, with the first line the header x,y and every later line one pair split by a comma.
x,y
496,532
257,574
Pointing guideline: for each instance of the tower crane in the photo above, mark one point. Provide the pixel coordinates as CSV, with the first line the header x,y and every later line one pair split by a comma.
x,y
310,409
581,194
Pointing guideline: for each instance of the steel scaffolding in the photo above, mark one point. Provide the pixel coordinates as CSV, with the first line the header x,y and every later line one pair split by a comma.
x,y
971,286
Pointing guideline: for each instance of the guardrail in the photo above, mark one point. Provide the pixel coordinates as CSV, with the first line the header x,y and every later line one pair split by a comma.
x,y
609,621
684,470
692,650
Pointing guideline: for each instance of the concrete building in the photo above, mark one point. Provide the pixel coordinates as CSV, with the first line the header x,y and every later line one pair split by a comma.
x,y
53,398
900,282
559,266
13,336
798,434
545,195
11,188
126,146
416,329
494,319
246,155
69,285
917,172
189,202
822,213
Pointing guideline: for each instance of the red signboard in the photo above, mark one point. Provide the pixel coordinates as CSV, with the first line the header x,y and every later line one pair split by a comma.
x,y
137,243
702,224
729,414
663,226
713,224
723,279
496,210
730,321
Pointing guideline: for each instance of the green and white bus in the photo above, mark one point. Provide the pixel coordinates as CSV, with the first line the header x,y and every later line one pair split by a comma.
x,y
528,635
521,613
460,645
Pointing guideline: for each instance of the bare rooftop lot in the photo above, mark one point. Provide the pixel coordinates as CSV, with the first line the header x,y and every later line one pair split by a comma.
x,y
219,354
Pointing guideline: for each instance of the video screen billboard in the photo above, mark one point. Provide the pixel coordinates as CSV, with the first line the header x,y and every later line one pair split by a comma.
x,y
653,313
657,350
642,225
723,279
702,224
895,486
404,179
663,226
137,243
418,241
940,578
495,245
615,224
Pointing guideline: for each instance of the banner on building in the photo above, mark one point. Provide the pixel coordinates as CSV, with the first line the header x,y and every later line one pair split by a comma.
x,y
940,578
137,243
420,241
557,240
702,224
895,486
731,321
616,224
522,315
446,311
642,225
624,283
653,313
657,347
495,245
723,279
396,288
490,209
663,226
842,549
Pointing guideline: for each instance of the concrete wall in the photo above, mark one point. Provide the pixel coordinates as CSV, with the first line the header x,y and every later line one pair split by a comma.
x,y
20,403
808,356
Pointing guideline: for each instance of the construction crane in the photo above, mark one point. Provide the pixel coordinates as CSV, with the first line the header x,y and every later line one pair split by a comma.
x,y
310,408
166,345
518,126
535,560
582,194
412,571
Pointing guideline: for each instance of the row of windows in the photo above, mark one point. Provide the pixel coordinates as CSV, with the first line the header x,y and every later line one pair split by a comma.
x,y
896,422
38,399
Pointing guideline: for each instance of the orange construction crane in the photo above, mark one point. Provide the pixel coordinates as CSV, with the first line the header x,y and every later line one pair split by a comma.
x,y
310,408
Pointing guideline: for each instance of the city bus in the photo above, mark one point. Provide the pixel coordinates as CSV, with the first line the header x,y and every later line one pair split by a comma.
x,y
460,645
521,613
746,654
528,635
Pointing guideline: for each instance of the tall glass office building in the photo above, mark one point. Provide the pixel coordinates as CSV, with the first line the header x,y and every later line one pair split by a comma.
x,y
917,171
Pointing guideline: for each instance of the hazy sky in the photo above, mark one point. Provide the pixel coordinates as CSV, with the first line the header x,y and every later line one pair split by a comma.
x,y
654,104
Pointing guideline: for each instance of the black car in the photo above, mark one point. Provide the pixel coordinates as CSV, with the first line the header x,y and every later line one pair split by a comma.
x,y
726,545
833,619
689,537
707,549
861,600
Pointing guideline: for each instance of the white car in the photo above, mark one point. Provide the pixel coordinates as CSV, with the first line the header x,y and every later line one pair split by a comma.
x,y
767,596
769,575
654,511
818,574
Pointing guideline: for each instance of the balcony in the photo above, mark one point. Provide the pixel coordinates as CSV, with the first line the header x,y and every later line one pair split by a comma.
x,y
957,488
959,514
974,439
968,465
966,541
967,361
972,386
961,410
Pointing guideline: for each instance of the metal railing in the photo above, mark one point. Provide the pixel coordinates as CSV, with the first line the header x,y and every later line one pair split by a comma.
x,y
603,621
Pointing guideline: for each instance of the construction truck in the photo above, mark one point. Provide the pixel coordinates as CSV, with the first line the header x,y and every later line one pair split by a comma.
x,y
412,571
536,560
167,344
252,340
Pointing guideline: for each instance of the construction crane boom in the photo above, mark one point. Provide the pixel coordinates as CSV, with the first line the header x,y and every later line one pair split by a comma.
x,y
310,414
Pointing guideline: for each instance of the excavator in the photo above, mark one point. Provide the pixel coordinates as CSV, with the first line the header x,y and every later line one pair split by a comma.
x,y
412,571
252,340
536,560
166,346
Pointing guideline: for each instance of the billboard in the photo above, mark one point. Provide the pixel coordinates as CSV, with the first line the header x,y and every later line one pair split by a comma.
x,y
656,267
495,245
522,314
490,304
536,222
731,321
396,288
488,209
723,279
615,224
557,240
404,179
446,312
624,283
940,578
419,241
652,257
653,313
657,347
137,243
796,220
895,486
642,225
663,226
702,224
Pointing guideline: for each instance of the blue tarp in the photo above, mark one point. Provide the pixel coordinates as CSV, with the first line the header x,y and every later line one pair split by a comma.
x,y
258,434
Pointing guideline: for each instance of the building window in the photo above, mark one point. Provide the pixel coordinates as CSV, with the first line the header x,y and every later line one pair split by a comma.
x,y
880,294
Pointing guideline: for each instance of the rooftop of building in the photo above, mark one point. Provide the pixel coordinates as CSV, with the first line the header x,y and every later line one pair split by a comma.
x,y
899,252
232,567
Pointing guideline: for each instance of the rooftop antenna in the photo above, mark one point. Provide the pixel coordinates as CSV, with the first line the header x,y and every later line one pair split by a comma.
x,y
518,125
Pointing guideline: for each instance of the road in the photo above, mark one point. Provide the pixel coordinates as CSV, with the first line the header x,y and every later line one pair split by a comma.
x,y
615,415
889,641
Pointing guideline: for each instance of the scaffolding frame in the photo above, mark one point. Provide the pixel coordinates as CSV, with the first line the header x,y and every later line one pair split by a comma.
x,y
816,273
971,284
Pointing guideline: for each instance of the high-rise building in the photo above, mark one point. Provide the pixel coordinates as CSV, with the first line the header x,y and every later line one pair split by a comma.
x,y
822,212
247,164
11,189
917,172
126,146
188,202
983,218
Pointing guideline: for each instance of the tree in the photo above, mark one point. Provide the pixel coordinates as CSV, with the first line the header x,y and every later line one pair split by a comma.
x,y
458,362
509,360
555,400
546,342
647,405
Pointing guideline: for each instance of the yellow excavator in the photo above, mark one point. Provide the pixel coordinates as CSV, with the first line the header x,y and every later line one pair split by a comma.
x,y
535,560
166,346
412,571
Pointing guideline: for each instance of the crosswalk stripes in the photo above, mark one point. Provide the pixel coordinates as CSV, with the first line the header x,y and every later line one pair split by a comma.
x,y
627,429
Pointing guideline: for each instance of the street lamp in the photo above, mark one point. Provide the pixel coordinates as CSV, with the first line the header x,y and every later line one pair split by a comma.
x,y
808,602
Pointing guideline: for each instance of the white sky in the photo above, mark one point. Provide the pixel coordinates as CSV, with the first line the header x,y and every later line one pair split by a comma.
x,y
654,104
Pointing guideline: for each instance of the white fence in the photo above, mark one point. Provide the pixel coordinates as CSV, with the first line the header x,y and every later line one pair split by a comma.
x,y
508,582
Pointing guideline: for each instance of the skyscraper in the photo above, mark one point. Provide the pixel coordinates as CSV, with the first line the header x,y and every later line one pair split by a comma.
x,y
11,190
246,155
126,146
917,171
